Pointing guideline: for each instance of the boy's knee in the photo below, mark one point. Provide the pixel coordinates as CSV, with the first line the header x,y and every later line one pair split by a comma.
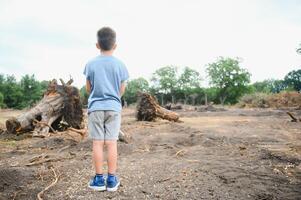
x,y
110,142
98,142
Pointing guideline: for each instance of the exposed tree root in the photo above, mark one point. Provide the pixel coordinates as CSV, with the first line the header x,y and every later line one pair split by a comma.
x,y
56,178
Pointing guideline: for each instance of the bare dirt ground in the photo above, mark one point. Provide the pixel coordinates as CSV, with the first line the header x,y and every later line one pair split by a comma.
x,y
236,154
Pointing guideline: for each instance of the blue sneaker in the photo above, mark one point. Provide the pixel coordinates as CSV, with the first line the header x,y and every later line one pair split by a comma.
x,y
112,183
97,183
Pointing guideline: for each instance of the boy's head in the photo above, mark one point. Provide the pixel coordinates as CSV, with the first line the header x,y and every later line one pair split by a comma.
x,y
106,38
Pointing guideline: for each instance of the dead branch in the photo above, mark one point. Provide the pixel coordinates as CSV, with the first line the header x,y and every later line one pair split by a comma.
x,y
124,137
45,124
82,132
63,148
294,119
43,158
56,178
70,81
62,82
180,152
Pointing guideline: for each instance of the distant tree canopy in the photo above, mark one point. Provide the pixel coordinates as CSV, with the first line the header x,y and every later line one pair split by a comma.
x,y
229,78
171,84
22,94
165,80
270,86
293,79
134,87
188,82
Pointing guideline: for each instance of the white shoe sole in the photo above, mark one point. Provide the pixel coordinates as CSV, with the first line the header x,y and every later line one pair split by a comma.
x,y
96,188
114,189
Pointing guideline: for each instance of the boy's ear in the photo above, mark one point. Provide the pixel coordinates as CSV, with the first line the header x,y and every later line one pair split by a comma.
x,y
115,46
97,46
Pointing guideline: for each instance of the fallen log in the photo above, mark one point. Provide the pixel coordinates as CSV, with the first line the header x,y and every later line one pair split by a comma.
x,y
173,106
61,103
148,109
210,108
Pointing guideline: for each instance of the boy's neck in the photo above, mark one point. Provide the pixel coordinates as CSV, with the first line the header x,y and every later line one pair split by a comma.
x,y
107,53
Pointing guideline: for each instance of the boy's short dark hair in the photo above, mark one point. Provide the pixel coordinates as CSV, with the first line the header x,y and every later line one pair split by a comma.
x,y
106,38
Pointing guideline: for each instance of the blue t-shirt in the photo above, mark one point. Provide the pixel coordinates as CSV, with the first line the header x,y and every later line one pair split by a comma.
x,y
105,73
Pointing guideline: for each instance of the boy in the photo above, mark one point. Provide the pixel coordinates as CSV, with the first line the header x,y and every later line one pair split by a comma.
x,y
105,81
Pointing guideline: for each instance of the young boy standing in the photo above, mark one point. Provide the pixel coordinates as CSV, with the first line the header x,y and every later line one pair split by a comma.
x,y
105,81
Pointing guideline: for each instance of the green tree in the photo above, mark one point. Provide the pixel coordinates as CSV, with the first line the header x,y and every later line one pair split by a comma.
x,y
12,92
265,86
1,100
84,95
31,89
23,93
133,87
230,79
189,80
293,79
165,81
270,86
2,82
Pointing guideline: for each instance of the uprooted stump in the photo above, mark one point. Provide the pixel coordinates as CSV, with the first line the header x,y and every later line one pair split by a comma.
x,y
148,109
59,109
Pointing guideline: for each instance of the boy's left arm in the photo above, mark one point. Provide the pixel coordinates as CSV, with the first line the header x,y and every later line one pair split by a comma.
x,y
88,86
122,88
124,78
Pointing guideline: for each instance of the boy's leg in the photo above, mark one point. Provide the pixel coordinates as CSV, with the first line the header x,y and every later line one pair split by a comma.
x,y
98,155
112,127
96,133
112,155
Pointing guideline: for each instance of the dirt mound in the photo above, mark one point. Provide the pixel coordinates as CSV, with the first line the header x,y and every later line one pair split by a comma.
x,y
263,100
285,99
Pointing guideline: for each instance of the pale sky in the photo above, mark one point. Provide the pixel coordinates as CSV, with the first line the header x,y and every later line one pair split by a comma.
x,y
55,38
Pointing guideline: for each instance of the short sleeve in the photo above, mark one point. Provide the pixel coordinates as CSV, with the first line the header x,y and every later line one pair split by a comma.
x,y
124,73
86,72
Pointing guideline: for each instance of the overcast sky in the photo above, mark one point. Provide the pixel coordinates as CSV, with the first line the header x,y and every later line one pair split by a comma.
x,y
55,38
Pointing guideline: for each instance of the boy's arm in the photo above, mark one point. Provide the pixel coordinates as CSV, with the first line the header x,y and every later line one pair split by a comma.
x,y
88,86
122,88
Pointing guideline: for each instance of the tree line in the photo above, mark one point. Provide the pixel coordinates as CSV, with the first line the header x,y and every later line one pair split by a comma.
x,y
228,81
20,94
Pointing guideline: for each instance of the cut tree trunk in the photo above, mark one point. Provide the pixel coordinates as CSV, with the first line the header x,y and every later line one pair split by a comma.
x,y
60,108
148,109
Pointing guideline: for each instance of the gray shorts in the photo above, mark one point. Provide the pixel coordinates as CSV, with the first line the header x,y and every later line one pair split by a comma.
x,y
104,125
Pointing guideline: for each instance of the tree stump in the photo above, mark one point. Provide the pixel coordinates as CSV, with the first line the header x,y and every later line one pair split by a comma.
x,y
148,109
61,103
